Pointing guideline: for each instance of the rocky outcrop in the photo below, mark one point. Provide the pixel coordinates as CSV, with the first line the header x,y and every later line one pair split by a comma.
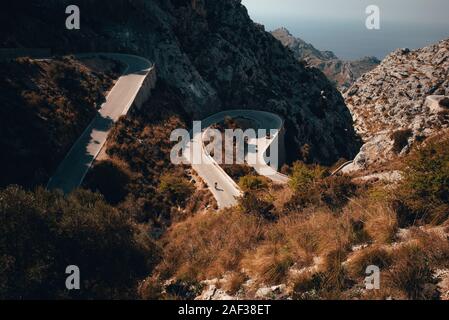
x,y
405,93
342,73
209,52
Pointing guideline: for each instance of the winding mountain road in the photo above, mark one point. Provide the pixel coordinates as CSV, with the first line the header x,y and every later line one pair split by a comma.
x,y
227,190
72,170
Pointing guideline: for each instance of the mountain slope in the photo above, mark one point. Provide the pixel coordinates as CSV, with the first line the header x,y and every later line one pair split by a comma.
x,y
393,104
45,105
210,52
342,73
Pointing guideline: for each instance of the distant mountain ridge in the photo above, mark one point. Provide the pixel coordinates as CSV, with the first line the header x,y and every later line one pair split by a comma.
x,y
342,73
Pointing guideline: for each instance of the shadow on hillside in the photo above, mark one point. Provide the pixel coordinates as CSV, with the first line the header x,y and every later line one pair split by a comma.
x,y
77,162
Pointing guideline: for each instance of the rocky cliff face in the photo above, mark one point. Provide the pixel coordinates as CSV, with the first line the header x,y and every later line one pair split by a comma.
x,y
401,99
210,52
342,73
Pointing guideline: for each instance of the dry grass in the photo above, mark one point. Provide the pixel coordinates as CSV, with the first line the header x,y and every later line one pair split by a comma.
x,y
234,282
376,255
271,262
150,289
435,245
412,274
208,245
293,242
310,251
328,282
318,233
408,269
302,283
378,219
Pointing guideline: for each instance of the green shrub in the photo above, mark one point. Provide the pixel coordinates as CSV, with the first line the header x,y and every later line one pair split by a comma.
x,y
237,171
313,186
252,182
304,177
424,191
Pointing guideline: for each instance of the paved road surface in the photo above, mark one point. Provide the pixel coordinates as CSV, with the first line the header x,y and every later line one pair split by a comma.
x,y
74,167
212,173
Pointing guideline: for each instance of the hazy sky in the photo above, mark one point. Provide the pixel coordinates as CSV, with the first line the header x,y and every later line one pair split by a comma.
x,y
426,11
339,25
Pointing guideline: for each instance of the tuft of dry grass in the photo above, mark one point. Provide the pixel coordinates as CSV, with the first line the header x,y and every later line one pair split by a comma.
x,y
234,282
412,274
378,218
434,244
320,232
375,255
302,283
271,262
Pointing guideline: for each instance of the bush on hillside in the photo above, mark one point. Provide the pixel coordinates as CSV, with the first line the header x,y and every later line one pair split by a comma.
x,y
304,177
251,204
236,171
43,232
253,183
412,274
424,192
314,187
